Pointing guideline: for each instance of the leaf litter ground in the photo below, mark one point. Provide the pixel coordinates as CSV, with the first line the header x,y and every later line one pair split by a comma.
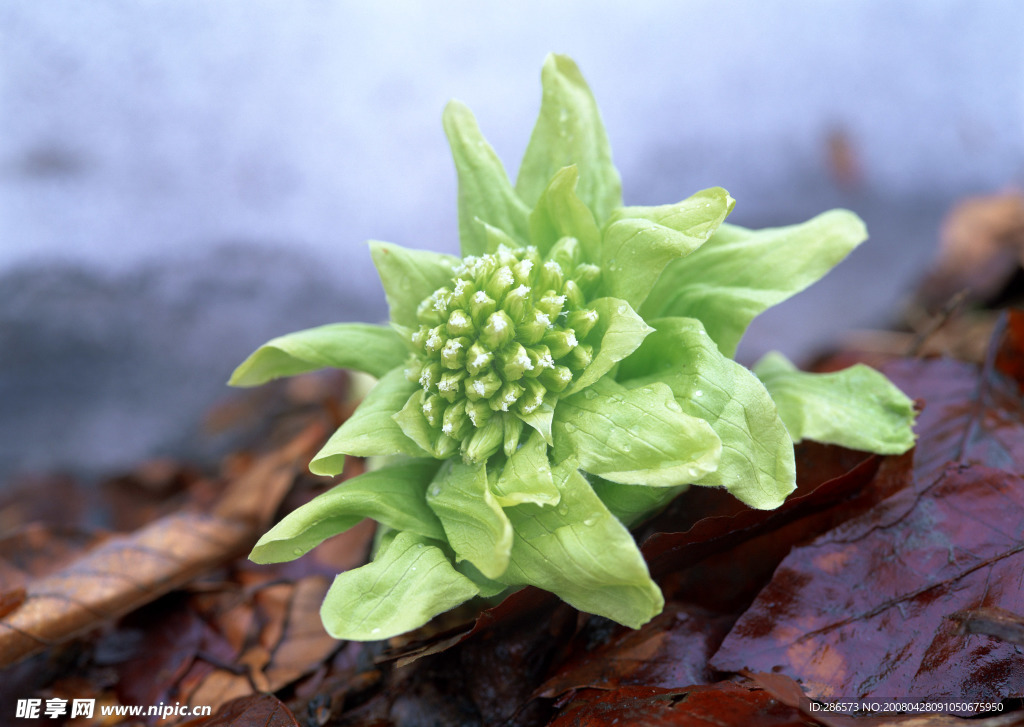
x,y
880,578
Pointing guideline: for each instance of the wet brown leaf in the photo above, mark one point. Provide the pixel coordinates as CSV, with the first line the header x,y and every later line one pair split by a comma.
x,y
125,572
258,710
828,475
161,641
670,651
972,414
719,704
304,644
789,692
862,612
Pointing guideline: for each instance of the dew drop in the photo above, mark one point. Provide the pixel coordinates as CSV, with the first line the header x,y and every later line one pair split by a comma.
x,y
376,630
589,522
698,392
673,405
571,428
299,551
590,394
627,447
435,490
563,509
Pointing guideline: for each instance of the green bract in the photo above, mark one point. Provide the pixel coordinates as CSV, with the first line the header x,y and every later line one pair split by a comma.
x,y
564,379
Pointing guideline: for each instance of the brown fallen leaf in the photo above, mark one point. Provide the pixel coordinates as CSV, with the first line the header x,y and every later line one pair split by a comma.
x,y
789,692
862,612
671,650
305,644
264,710
125,572
972,414
725,703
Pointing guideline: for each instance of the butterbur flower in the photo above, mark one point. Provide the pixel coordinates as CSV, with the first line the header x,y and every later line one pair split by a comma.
x,y
564,379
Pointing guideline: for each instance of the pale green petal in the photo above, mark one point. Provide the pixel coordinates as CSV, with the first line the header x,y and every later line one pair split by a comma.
x,y
408,584
739,273
359,346
582,554
757,464
634,436
476,526
631,504
485,192
417,428
569,131
560,213
410,276
371,431
619,332
394,496
640,241
540,420
857,407
526,476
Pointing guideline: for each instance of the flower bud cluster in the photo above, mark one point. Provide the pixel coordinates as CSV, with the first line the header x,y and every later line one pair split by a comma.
x,y
497,344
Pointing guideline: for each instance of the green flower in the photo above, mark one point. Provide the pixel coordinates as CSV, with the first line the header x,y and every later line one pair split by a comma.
x,y
563,380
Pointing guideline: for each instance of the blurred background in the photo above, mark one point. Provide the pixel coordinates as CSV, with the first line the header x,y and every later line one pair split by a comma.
x,y
181,181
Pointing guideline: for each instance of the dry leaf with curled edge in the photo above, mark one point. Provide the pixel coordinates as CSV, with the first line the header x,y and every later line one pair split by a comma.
x,y
125,572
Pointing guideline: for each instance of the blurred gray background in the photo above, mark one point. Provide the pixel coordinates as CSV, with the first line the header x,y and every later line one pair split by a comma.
x,y
180,181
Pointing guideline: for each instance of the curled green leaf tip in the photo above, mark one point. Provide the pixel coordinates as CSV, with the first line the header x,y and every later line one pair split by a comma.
x,y
570,373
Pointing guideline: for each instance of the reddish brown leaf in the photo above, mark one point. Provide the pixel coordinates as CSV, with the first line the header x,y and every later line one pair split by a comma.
x,y
971,415
669,651
11,600
257,710
789,692
862,612
162,642
830,475
305,644
720,704
1010,356
123,573
525,603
